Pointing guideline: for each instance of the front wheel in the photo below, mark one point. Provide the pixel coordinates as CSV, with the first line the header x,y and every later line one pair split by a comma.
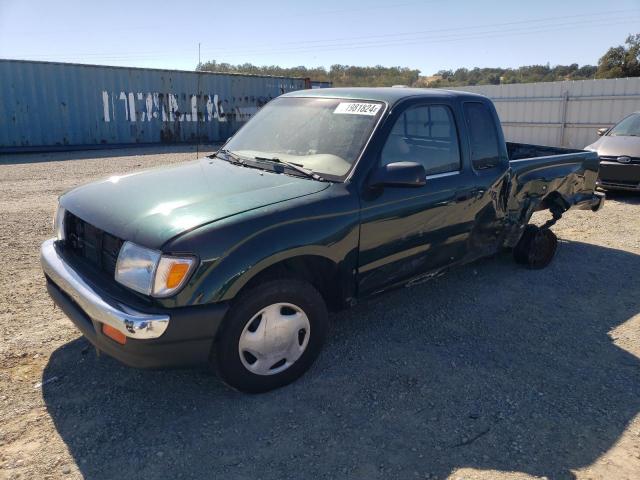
x,y
271,336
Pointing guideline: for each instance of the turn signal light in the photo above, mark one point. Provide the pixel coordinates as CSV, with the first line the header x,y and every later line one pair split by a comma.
x,y
113,334
171,273
177,271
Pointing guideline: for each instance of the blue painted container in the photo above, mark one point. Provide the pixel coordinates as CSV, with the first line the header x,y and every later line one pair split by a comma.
x,y
49,106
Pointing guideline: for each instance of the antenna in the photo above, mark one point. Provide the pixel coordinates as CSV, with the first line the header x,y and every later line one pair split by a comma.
x,y
198,95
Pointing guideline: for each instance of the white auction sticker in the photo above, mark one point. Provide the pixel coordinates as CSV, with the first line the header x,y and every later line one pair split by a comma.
x,y
357,108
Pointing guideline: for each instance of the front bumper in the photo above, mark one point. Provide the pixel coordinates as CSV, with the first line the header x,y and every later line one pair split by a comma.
x,y
158,338
131,323
619,176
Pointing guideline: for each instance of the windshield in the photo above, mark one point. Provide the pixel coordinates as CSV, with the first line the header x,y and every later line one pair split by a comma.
x,y
630,126
324,135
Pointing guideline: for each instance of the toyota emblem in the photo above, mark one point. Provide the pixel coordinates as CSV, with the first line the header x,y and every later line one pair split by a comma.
x,y
624,159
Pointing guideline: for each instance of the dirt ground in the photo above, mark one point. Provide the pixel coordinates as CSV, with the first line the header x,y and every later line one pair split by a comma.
x,y
489,372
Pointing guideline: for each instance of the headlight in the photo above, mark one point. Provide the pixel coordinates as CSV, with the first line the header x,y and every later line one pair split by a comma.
x,y
136,267
58,223
148,271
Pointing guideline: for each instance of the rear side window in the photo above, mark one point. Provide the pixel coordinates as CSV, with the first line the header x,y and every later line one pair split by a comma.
x,y
427,135
485,152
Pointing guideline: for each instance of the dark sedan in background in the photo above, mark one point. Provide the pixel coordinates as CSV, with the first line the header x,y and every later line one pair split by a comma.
x,y
619,152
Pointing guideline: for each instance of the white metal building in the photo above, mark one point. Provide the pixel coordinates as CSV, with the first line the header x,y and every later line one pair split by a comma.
x,y
563,114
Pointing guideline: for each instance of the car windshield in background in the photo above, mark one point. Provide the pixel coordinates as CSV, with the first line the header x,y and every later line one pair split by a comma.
x,y
324,135
629,127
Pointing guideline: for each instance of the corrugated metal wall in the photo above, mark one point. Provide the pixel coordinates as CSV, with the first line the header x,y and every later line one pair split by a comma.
x,y
564,114
55,105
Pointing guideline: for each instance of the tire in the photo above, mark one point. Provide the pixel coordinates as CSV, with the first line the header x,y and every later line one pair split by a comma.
x,y
285,318
536,247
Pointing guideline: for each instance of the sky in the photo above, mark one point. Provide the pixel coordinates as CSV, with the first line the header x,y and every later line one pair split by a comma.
x,y
426,35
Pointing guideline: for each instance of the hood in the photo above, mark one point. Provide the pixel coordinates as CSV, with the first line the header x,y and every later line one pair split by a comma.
x,y
609,146
153,206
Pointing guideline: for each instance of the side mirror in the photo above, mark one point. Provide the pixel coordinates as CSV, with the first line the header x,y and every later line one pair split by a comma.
x,y
399,174
602,131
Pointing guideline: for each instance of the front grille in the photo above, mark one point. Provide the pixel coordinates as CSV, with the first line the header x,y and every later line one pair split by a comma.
x,y
95,246
614,158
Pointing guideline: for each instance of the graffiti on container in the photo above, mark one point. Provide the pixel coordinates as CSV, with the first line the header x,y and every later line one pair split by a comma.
x,y
169,107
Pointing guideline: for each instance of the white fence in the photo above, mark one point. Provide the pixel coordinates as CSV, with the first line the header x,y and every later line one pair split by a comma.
x,y
564,114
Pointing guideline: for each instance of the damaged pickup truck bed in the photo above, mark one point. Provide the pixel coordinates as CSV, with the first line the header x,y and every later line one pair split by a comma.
x,y
325,197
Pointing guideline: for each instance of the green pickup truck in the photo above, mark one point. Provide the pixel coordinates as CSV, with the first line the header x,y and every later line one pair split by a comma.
x,y
324,198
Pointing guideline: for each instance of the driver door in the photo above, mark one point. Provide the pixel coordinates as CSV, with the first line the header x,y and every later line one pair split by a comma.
x,y
409,231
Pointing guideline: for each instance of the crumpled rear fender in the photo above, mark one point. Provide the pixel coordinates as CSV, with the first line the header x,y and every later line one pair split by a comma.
x,y
557,181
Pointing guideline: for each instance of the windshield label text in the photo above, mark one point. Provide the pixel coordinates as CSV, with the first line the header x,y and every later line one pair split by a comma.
x,y
357,108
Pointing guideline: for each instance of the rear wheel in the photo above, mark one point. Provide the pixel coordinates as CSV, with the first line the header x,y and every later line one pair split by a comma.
x,y
271,336
536,247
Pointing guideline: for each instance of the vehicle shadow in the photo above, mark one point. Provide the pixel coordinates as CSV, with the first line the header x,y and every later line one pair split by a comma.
x,y
491,366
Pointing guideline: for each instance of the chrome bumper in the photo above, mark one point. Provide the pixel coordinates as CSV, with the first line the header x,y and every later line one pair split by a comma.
x,y
131,323
594,203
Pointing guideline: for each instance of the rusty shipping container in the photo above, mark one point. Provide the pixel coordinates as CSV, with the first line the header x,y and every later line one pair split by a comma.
x,y
48,106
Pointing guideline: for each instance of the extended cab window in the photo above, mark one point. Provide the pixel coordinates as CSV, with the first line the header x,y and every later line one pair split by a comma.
x,y
483,136
425,134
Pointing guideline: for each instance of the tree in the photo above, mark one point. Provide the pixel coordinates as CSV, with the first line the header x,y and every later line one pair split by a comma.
x,y
621,61
340,75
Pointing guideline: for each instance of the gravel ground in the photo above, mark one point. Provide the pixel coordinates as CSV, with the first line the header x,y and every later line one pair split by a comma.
x,y
491,372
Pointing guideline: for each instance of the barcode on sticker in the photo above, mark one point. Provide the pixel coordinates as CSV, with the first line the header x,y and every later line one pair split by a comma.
x,y
357,108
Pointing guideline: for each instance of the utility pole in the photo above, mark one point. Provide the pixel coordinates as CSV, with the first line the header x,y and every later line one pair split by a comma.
x,y
198,53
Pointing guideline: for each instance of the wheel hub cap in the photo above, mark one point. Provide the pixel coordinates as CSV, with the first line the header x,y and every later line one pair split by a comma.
x,y
274,339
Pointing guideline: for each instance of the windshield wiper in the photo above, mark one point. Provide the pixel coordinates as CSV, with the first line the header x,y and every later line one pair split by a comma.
x,y
294,166
230,155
